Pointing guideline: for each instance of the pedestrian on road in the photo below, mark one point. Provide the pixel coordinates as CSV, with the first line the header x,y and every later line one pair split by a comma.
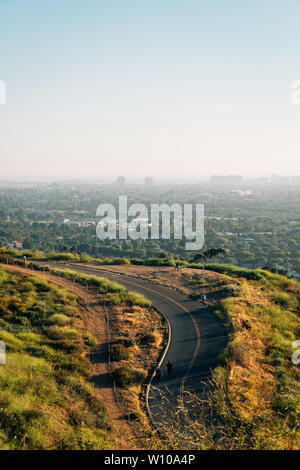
x,y
158,375
170,368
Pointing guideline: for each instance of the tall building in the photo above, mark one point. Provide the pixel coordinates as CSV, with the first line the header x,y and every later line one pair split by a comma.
x,y
121,180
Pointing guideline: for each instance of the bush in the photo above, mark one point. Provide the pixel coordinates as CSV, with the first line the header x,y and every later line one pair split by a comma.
x,y
90,340
58,333
119,352
127,376
138,299
55,332
128,342
283,299
120,261
63,256
149,338
10,340
59,319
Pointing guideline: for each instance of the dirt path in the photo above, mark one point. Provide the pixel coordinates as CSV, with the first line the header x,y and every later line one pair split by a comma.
x,y
93,315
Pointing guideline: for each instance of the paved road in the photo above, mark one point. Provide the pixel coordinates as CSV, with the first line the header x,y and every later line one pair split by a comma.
x,y
197,339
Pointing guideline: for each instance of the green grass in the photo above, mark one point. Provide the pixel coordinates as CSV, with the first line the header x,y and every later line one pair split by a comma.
x,y
113,293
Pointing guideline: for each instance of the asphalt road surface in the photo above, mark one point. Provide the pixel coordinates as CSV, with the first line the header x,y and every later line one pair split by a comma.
x,y
197,339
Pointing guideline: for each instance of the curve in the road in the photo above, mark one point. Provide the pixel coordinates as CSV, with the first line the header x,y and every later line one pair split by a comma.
x,y
198,338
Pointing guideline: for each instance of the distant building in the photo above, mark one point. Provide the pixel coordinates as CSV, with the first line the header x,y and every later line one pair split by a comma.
x,y
148,181
295,179
18,245
258,181
121,180
228,180
275,179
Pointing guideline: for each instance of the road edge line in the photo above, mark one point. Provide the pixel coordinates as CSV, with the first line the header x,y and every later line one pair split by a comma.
x,y
150,416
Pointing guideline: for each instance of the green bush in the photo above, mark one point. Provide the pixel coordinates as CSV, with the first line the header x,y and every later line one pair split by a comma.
x,y
137,299
90,340
55,332
284,300
63,256
127,376
120,261
119,352
59,319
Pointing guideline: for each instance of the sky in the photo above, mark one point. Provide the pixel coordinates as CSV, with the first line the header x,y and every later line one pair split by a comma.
x,y
162,88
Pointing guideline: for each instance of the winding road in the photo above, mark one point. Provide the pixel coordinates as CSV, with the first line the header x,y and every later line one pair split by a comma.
x,y
197,339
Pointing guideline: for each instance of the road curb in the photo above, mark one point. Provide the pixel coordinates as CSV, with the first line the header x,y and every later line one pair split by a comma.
x,y
149,413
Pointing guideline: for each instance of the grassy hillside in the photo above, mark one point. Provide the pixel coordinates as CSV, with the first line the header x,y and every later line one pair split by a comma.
x,y
45,399
253,401
254,398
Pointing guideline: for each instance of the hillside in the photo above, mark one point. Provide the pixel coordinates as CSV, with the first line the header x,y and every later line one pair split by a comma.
x,y
55,391
254,393
251,402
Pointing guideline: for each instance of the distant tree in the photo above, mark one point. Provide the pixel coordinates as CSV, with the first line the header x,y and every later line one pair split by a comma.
x,y
210,253
27,244
163,255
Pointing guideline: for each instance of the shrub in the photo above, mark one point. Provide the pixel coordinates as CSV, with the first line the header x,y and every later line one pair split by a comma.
x,y
90,340
119,352
10,340
36,352
55,332
149,338
58,333
59,319
138,299
63,256
127,376
283,299
120,261
84,258
71,333
128,342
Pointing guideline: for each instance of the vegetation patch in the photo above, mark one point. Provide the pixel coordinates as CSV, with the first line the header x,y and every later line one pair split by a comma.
x,y
256,393
127,376
45,401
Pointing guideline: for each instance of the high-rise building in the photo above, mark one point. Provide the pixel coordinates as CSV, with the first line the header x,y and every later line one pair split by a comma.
x,y
121,180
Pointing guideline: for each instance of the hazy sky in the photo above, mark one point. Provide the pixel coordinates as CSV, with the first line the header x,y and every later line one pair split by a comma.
x,y
140,87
